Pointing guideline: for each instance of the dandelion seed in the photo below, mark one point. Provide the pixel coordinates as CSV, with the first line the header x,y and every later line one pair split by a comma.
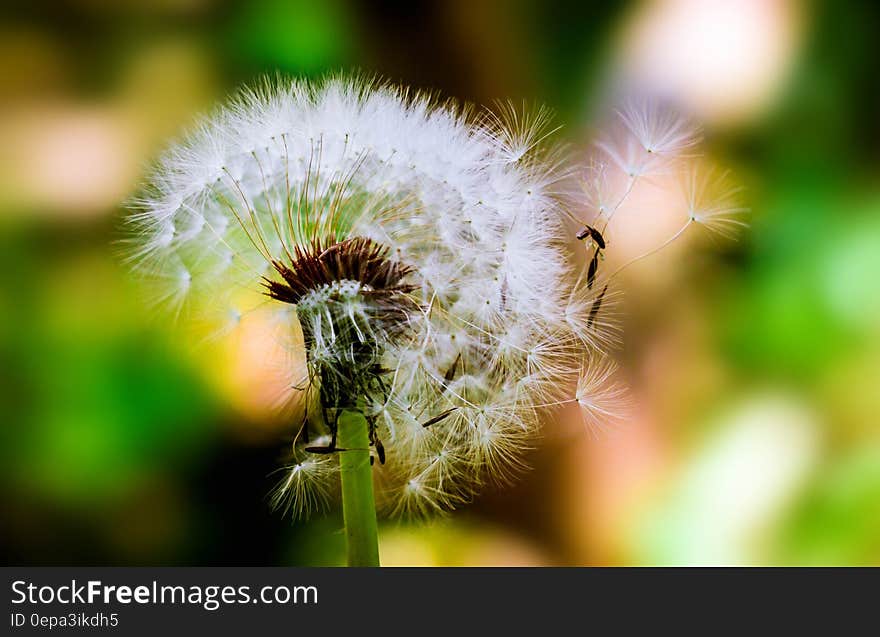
x,y
305,487
599,397
712,200
659,130
601,197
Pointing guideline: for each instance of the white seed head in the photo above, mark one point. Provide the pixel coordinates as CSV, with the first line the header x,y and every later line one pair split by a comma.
x,y
423,253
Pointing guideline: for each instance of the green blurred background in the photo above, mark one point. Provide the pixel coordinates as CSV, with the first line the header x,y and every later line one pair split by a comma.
x,y
754,365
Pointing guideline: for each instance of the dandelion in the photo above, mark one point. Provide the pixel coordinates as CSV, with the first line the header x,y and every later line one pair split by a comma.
x,y
416,256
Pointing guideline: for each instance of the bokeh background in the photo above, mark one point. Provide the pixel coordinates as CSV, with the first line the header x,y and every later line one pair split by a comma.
x,y
754,365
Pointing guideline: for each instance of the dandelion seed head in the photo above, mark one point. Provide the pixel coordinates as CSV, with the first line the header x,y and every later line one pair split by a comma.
x,y
422,252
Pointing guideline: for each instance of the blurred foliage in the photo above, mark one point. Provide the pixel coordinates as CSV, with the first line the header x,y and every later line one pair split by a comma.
x,y
838,520
80,364
296,37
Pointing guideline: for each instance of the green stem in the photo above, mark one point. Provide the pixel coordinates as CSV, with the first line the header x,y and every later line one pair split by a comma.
x,y
358,505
